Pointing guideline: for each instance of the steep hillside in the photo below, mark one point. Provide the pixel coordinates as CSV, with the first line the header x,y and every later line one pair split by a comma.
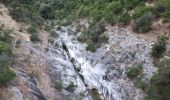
x,y
84,49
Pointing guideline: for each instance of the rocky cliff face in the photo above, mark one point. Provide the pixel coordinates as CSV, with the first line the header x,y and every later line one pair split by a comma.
x,y
104,70
33,80
64,70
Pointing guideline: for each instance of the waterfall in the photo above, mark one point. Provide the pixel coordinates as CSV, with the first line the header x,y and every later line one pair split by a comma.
x,y
103,70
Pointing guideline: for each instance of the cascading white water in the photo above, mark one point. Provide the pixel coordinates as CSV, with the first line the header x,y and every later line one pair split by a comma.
x,y
103,70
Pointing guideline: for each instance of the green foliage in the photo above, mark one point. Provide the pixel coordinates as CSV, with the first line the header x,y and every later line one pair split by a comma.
x,y
6,74
111,18
5,48
160,83
131,4
159,48
58,85
165,13
141,10
124,18
91,46
115,7
142,84
71,87
5,42
34,34
143,24
164,63
94,94
94,36
35,38
32,30
134,70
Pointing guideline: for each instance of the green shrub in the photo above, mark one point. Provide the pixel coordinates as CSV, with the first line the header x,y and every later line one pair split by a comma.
x,y
35,38
115,6
83,12
32,30
34,34
143,24
103,38
158,9
54,34
19,15
91,46
83,37
134,70
164,63
45,11
4,36
96,30
140,11
124,19
166,12
111,18
160,83
6,75
5,48
58,85
142,84
71,87
94,94
159,48
131,4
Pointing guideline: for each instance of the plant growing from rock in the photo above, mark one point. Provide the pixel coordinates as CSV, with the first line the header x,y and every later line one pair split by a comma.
x,y
71,87
58,85
135,70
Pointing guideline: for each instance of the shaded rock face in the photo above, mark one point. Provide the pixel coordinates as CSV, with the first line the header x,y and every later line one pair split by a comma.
x,y
104,70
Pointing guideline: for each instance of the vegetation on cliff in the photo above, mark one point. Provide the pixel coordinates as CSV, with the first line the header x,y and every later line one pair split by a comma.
x,y
6,74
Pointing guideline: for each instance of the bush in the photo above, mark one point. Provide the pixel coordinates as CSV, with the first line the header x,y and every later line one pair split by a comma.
x,y
159,48
111,18
134,70
95,94
35,38
6,75
19,15
164,63
159,88
32,30
124,19
5,48
58,85
115,6
45,11
143,24
140,11
166,4
91,46
158,9
34,34
131,4
96,30
71,87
